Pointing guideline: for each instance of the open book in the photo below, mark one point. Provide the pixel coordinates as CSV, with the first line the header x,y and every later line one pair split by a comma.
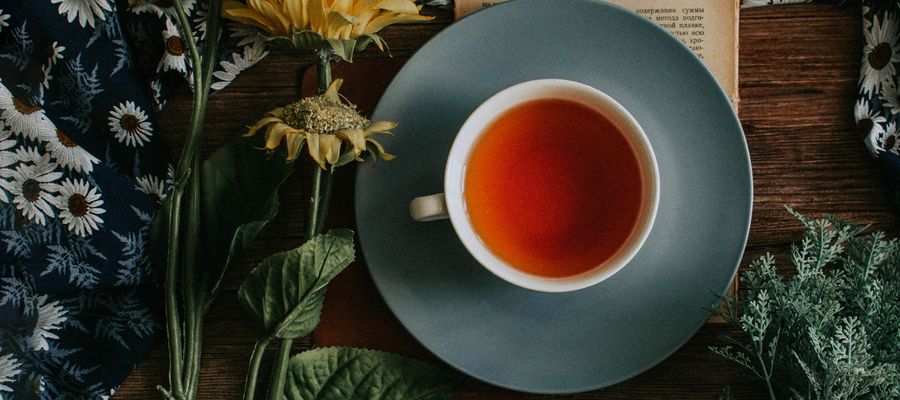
x,y
708,27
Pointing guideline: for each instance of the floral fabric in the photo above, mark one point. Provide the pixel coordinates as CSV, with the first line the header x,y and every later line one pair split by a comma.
x,y
877,109
82,171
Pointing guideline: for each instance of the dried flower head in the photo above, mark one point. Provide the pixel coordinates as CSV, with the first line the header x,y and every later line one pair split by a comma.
x,y
323,123
343,26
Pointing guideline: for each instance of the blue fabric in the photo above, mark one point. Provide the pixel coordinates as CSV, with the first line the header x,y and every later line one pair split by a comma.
x,y
82,172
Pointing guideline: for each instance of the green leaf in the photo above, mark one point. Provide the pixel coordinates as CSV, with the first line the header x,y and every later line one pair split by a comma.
x,y
343,48
239,190
286,290
339,373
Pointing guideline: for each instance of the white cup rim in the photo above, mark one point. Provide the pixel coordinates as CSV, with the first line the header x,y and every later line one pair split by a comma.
x,y
472,130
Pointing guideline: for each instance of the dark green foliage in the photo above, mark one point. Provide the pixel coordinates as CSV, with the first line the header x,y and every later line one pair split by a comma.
x,y
831,331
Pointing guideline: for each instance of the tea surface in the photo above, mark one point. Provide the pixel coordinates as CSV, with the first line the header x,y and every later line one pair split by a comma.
x,y
553,188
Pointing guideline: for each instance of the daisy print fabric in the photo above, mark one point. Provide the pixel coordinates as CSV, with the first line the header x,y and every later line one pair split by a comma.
x,y
82,173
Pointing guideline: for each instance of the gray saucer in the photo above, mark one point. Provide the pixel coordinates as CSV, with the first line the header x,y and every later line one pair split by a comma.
x,y
570,342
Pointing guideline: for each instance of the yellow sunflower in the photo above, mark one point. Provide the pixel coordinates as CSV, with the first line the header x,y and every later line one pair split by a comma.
x,y
345,26
323,123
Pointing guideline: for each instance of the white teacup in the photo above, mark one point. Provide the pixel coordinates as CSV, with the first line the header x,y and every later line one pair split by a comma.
x,y
452,202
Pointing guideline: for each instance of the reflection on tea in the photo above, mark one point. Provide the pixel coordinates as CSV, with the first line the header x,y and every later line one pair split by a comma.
x,y
553,188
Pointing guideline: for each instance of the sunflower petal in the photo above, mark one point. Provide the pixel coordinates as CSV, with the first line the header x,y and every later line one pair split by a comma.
x,y
317,16
312,142
342,6
337,26
390,18
380,150
260,124
297,11
237,11
380,127
294,143
276,132
324,148
400,6
332,93
356,137
274,13
276,112
345,159
333,149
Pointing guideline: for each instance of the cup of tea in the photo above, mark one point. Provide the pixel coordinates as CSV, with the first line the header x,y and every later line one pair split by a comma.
x,y
550,184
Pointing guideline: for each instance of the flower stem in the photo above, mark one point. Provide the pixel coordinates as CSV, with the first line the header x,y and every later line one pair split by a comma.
x,y
318,208
253,372
184,360
189,286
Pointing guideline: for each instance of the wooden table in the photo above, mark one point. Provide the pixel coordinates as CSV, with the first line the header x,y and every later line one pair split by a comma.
x,y
798,71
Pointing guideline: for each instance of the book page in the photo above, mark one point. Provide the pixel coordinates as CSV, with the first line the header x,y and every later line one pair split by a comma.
x,y
708,27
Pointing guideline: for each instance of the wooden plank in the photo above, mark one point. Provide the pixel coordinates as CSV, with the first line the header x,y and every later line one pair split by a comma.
x,y
799,67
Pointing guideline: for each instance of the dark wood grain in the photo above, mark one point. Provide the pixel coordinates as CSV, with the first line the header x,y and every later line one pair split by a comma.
x,y
798,72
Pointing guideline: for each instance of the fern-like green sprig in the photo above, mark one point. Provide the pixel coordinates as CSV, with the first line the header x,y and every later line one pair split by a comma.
x,y
830,331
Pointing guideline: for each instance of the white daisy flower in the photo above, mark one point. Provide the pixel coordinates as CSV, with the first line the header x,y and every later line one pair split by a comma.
x,y
54,51
881,51
85,10
50,317
67,153
146,6
23,118
246,34
156,88
885,141
10,367
200,20
867,24
30,155
79,206
3,19
868,121
7,142
153,186
170,175
174,58
130,125
32,189
870,125
7,158
889,98
46,77
230,70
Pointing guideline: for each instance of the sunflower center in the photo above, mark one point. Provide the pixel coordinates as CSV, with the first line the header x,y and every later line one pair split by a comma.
x,y
881,56
78,205
175,46
23,107
129,123
889,142
31,189
322,116
65,139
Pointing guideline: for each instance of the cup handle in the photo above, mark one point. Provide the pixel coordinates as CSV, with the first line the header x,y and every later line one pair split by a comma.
x,y
429,208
